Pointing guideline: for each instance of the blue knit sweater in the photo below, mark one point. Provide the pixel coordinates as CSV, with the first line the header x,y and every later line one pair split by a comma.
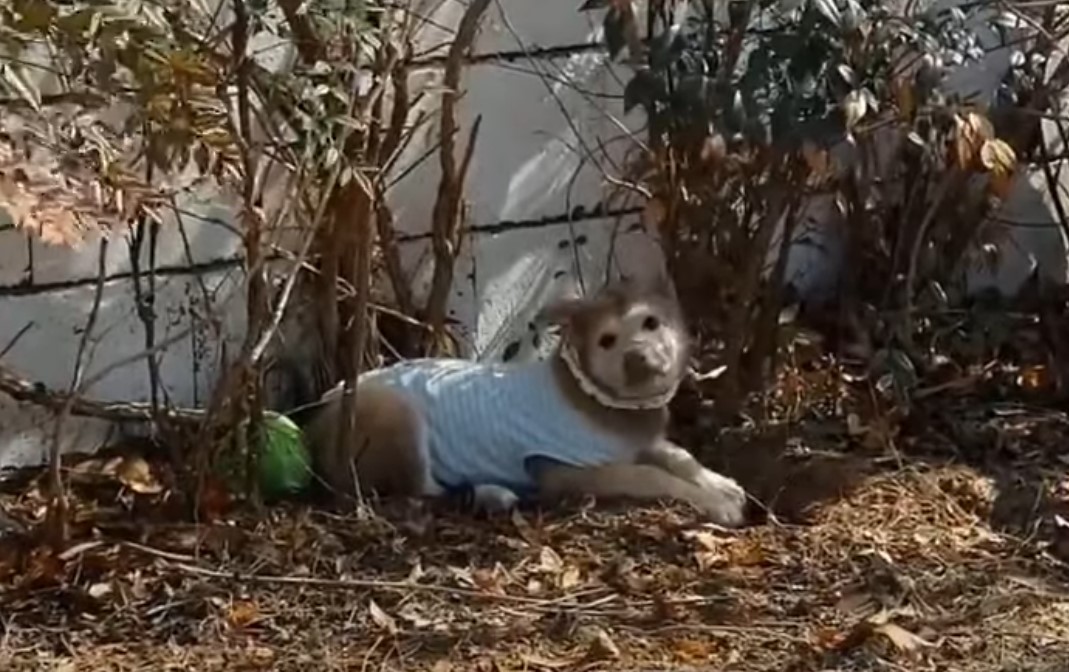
x,y
485,420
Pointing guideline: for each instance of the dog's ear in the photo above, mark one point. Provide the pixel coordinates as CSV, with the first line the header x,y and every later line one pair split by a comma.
x,y
657,285
661,285
561,312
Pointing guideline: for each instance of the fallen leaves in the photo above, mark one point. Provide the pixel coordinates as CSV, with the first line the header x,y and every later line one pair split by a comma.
x,y
694,651
614,589
242,614
714,551
381,619
135,473
903,640
601,647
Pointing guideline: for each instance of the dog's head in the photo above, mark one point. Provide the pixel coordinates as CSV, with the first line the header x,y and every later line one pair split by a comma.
x,y
626,345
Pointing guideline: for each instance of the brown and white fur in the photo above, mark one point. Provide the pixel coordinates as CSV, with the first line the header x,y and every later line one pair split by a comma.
x,y
622,355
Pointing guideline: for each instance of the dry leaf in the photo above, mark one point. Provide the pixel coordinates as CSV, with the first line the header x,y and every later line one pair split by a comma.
x,y
570,578
708,559
693,650
707,540
998,157
381,618
45,206
524,528
535,587
541,662
903,639
549,561
858,601
99,590
746,553
242,614
136,474
601,647
487,579
962,151
854,108
260,654
905,98
980,129
1034,378
44,568
828,639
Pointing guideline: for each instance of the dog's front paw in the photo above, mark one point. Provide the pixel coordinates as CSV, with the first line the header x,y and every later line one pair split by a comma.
x,y
724,499
490,498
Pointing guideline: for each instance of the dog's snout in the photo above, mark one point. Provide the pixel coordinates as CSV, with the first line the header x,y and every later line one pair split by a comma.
x,y
638,368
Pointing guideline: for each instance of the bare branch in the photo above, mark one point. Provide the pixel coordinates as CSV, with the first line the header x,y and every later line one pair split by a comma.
x,y
447,206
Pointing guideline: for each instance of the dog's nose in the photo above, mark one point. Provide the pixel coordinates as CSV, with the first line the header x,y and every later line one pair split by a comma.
x,y
637,367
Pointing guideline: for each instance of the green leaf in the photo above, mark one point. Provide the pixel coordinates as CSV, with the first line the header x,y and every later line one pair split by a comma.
x,y
848,75
643,89
665,46
693,91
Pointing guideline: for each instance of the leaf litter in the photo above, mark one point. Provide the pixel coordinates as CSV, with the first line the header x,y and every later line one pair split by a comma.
x,y
909,566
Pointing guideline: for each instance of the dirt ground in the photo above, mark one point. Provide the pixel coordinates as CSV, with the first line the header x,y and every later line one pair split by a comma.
x,y
921,560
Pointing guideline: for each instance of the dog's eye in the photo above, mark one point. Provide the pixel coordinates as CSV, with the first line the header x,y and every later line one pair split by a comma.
x,y
607,341
651,323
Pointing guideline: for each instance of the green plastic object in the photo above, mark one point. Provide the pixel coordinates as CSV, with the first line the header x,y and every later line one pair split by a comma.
x,y
285,466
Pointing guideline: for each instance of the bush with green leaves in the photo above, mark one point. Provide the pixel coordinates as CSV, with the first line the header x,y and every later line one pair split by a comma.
x,y
758,110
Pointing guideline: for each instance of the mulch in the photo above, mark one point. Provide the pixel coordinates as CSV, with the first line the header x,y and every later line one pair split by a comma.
x,y
918,558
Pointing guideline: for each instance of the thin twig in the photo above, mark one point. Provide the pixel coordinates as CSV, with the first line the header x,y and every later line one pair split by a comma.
x,y
16,338
447,206
57,509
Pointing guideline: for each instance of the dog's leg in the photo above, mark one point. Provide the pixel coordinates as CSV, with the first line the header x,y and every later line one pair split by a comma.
x,y
492,498
388,454
681,463
633,481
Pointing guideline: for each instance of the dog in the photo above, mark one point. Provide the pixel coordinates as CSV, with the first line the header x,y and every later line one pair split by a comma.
x,y
589,420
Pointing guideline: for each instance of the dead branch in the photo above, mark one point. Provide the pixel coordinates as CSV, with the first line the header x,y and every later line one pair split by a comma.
x,y
23,390
56,525
308,44
250,401
447,206
383,215
361,198
145,298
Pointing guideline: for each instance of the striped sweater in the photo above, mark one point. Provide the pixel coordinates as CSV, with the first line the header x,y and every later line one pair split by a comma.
x,y
484,421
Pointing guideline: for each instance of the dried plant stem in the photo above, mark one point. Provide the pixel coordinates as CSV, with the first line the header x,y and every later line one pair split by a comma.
x,y
361,201
739,321
447,206
57,509
256,298
145,298
918,246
